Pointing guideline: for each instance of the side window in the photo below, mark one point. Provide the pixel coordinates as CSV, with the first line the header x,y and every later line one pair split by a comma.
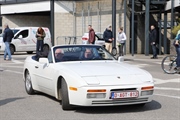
x,y
50,57
23,33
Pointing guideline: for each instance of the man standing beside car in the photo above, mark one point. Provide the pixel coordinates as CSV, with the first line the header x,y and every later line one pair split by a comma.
x,y
7,38
108,37
91,35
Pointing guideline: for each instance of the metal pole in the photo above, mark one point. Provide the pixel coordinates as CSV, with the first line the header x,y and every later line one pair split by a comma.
x,y
165,33
125,9
132,29
172,17
114,21
74,20
88,13
147,28
98,16
82,19
159,19
52,21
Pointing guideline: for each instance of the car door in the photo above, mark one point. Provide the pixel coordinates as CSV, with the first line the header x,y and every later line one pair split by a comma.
x,y
44,76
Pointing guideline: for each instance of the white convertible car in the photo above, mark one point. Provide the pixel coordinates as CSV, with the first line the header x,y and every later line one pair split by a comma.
x,y
87,75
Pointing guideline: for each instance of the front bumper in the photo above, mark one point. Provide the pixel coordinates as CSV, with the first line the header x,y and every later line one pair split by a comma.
x,y
79,97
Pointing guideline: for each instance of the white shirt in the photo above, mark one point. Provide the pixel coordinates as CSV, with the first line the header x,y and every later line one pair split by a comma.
x,y
121,37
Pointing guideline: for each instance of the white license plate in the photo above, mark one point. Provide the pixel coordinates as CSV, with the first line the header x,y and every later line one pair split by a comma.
x,y
128,94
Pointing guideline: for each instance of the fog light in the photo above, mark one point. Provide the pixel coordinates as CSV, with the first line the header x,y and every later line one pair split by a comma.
x,y
96,95
149,92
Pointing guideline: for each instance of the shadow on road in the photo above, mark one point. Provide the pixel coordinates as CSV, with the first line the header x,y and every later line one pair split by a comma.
x,y
9,100
154,105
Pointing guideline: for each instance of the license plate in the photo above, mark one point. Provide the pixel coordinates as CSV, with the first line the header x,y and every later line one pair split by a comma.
x,y
128,94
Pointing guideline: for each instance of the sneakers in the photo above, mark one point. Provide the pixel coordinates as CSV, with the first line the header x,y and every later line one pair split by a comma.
x,y
154,57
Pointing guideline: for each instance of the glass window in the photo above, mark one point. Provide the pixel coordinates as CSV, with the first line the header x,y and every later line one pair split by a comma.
x,y
50,57
24,34
81,53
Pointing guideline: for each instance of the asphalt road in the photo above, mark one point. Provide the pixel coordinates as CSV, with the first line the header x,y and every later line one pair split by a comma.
x,y
16,104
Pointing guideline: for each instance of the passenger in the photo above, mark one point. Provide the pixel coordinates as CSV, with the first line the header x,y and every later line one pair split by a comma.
x,y
59,53
88,54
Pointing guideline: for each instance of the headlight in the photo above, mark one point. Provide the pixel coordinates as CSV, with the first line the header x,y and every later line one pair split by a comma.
x,y
96,95
148,92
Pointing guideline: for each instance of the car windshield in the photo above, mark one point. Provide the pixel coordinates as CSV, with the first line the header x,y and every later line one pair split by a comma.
x,y
81,53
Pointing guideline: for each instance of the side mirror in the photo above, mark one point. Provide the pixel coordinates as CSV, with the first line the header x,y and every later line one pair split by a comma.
x,y
120,59
44,61
20,36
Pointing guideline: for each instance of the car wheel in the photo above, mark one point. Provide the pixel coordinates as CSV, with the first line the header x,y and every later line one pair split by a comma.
x,y
12,49
114,51
28,84
64,95
29,52
45,48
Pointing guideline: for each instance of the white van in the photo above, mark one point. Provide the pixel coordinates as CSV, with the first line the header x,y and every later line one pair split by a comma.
x,y
25,40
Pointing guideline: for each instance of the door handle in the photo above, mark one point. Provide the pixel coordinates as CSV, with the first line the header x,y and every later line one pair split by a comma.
x,y
36,67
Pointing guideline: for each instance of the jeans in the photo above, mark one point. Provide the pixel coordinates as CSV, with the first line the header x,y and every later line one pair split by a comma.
x,y
39,45
121,49
7,50
178,55
154,50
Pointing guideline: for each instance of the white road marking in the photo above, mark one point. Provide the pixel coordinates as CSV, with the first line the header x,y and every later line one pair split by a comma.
x,y
177,97
13,71
159,81
165,88
17,61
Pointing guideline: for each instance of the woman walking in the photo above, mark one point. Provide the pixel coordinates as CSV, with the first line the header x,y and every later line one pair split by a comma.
x,y
121,40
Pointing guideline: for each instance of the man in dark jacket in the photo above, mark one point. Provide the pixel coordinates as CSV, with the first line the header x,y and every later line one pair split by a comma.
x,y
108,37
91,35
153,37
7,38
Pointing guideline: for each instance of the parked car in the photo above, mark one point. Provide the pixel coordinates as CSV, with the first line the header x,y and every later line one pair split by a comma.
x,y
25,40
98,39
100,80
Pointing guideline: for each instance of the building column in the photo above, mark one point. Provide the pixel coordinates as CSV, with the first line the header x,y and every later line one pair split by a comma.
x,y
147,28
132,29
114,21
52,21
125,10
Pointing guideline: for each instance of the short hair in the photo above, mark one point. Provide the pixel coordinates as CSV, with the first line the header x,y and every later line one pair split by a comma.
x,y
6,25
90,25
121,28
109,26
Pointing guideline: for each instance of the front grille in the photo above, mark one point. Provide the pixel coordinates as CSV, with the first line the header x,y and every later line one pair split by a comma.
x,y
124,89
119,101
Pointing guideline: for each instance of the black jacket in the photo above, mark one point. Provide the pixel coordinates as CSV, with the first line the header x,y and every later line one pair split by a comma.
x,y
108,35
153,36
8,35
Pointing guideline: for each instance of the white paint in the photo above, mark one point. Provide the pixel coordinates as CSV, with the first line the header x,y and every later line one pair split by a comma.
x,y
14,71
168,4
17,61
165,88
177,97
30,7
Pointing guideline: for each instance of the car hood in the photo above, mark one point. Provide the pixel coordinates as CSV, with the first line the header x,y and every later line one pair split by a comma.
x,y
109,73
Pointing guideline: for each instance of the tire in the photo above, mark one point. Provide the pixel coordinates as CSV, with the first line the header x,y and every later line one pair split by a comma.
x,y
64,96
28,84
168,64
12,49
45,48
114,51
29,52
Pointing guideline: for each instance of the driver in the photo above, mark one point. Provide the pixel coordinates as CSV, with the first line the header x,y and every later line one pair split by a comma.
x,y
59,53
